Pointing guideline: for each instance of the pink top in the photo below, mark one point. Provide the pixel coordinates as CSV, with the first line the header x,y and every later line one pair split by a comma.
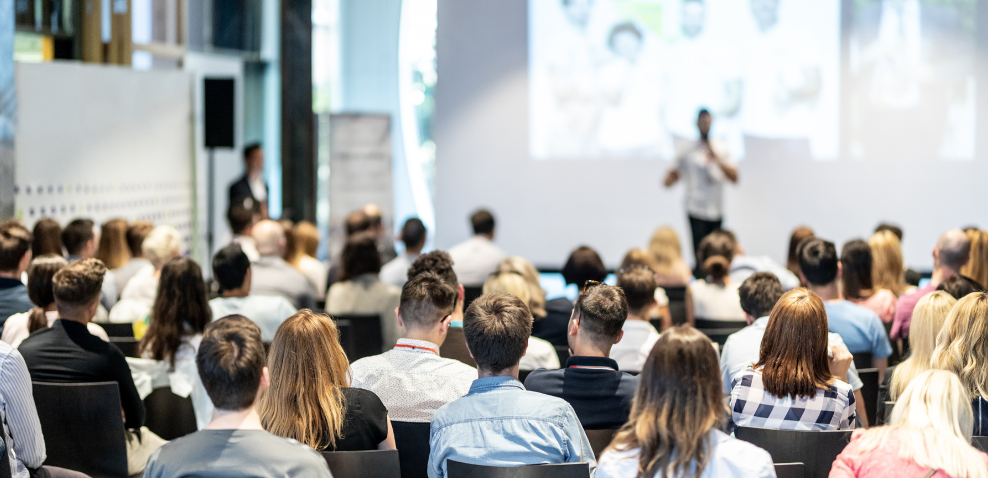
x,y
879,462
904,311
881,303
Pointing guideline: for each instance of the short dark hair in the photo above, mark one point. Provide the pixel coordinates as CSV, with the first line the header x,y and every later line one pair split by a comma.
x,y
638,284
425,300
230,266
818,261
497,326
438,262
582,265
239,218
703,111
959,286
76,234
360,256
250,148
356,222
15,241
482,222
413,233
79,283
136,234
602,310
231,362
759,293
891,228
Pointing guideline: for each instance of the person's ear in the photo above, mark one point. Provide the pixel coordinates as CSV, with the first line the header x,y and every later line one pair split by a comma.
x,y
91,310
802,278
25,261
574,326
401,323
445,324
468,348
265,378
619,337
247,279
840,270
461,293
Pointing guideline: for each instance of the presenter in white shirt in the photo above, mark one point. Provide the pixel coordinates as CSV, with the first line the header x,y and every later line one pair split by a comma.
x,y
705,166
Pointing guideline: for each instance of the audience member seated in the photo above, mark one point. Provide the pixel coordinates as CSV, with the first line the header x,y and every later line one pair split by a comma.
x,y
242,222
67,353
928,318
356,222
928,435
79,238
716,297
910,277
232,272
638,284
583,264
440,263
477,257
591,382
234,444
962,349
959,286
540,354
794,385
309,399
856,275
743,266
306,238
168,348
951,254
860,328
413,235
676,419
47,238
360,290
15,256
799,235
977,267
412,380
271,275
520,266
499,423
666,251
887,269
660,308
161,245
375,225
759,294
40,275
135,236
112,249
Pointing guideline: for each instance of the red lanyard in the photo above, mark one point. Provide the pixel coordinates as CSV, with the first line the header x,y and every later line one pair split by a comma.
x,y
407,346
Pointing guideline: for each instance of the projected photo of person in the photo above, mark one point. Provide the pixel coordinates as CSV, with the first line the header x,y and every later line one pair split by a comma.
x,y
911,64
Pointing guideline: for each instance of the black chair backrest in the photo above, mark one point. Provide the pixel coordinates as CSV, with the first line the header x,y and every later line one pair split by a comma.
x,y
470,294
455,347
363,464
4,461
869,392
863,360
981,443
790,470
455,469
719,324
82,427
168,415
118,330
677,305
815,449
896,356
523,374
886,414
412,441
127,345
360,335
599,439
562,351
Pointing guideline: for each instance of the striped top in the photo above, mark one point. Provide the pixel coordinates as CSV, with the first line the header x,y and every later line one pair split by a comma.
x,y
21,428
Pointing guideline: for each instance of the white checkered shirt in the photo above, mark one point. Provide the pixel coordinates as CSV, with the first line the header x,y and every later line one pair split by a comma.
x,y
831,408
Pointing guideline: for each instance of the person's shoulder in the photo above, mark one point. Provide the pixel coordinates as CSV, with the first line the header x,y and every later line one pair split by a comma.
x,y
366,399
547,405
540,379
738,453
618,463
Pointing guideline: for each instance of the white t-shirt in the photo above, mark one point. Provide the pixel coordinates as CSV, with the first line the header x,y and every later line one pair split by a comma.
x,y
474,259
15,328
716,302
540,354
268,312
639,338
729,457
704,180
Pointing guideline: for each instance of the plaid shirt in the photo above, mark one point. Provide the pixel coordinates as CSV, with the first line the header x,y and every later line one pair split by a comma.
x,y
751,405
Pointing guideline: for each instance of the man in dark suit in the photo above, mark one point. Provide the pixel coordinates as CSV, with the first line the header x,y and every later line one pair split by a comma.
x,y
250,191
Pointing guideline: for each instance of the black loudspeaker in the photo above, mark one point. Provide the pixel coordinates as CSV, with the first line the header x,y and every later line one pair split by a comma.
x,y
218,112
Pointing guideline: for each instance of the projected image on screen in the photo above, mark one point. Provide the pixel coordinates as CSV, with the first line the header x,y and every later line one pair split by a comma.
x,y
625,78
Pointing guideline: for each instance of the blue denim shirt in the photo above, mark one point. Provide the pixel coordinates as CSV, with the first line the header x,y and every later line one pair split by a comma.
x,y
499,423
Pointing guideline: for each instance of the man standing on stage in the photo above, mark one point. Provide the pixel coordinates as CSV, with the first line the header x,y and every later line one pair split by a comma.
x,y
705,166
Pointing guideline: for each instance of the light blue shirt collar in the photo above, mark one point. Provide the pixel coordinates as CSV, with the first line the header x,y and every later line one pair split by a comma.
x,y
488,384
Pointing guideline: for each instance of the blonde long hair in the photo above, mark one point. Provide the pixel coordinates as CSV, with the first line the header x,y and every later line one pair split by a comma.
x,y
961,345
932,421
977,267
519,265
306,237
667,253
509,282
928,317
887,271
308,367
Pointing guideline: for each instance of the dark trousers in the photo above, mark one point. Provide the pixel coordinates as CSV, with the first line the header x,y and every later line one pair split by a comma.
x,y
700,228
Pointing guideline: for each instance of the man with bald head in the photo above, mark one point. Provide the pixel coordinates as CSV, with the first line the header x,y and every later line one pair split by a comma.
x,y
271,274
952,252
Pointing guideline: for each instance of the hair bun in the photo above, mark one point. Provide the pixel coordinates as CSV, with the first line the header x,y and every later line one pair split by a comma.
x,y
717,267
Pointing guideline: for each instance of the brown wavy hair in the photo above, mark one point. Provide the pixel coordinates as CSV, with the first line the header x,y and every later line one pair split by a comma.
x,y
308,368
180,309
677,403
793,356
46,237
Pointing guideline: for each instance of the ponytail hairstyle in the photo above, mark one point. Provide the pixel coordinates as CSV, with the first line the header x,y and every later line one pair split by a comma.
x,y
39,288
716,253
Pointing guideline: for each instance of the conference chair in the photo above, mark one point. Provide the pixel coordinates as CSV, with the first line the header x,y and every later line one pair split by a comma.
x,y
412,442
360,335
863,360
981,443
82,427
719,330
455,347
4,461
471,294
363,464
896,356
790,470
869,392
884,417
600,439
523,374
562,351
455,469
677,306
112,330
168,415
815,449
